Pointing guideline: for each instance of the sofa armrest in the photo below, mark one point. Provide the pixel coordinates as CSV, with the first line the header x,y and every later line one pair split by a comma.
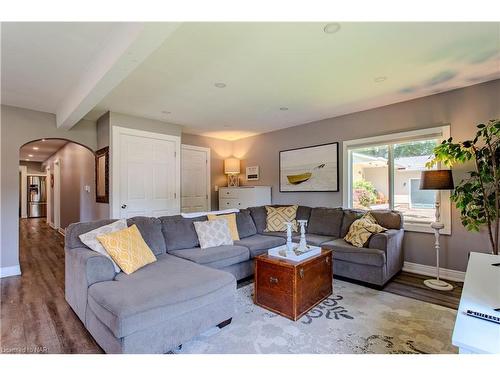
x,y
84,267
390,241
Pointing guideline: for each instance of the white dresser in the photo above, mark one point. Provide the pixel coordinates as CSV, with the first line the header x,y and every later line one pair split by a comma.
x,y
481,293
244,196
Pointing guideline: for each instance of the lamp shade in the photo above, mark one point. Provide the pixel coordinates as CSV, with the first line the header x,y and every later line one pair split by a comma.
x,y
437,180
232,166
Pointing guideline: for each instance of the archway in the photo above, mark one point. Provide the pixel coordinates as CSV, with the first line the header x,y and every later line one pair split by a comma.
x,y
59,180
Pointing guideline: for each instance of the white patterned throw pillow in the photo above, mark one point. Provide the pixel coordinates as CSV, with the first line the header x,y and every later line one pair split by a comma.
x,y
90,238
213,233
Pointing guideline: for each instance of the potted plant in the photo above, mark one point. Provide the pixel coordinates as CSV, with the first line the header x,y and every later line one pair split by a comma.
x,y
477,197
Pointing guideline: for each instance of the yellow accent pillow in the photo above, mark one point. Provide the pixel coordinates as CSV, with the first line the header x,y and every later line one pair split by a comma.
x,y
231,223
361,230
128,249
278,216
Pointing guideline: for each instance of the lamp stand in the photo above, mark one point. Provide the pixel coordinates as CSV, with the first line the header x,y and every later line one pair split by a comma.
x,y
233,180
437,283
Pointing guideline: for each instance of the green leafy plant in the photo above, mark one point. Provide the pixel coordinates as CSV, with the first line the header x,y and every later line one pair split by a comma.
x,y
478,196
367,194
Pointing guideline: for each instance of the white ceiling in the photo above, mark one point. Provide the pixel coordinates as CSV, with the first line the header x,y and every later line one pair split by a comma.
x,y
265,66
41,61
40,150
297,65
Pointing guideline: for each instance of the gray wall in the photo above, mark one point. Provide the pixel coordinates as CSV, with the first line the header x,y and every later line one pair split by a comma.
x,y
463,109
77,165
219,150
139,123
20,126
32,166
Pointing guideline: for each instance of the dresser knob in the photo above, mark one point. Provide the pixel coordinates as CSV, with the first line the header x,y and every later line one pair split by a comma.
x,y
301,273
327,260
273,280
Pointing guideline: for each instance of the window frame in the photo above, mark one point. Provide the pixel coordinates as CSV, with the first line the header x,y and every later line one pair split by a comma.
x,y
439,132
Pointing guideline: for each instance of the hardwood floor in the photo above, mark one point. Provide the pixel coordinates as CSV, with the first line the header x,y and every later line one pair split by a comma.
x,y
35,317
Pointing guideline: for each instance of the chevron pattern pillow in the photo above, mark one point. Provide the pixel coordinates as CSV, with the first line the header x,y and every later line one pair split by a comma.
x,y
213,233
361,230
278,216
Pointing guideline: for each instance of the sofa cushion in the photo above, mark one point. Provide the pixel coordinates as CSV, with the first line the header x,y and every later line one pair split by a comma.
x,y
314,239
231,223
281,234
150,229
259,215
259,243
215,257
362,229
156,293
245,224
350,216
388,219
325,221
360,255
73,232
179,232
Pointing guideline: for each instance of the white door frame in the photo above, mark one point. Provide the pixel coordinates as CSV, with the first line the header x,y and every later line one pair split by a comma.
x,y
209,169
49,195
57,194
114,170
24,191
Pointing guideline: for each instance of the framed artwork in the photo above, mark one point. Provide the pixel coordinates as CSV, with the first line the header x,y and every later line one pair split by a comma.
x,y
102,175
310,169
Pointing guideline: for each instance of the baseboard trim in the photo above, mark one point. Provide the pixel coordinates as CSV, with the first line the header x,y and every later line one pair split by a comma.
x,y
10,271
62,231
444,273
52,225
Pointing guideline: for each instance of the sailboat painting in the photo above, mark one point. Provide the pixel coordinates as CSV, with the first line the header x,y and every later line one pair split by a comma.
x,y
310,169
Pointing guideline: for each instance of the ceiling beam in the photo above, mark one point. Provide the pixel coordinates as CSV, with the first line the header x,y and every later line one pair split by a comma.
x,y
125,49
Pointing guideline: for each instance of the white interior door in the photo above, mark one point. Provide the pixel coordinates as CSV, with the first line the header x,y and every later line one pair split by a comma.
x,y
195,179
149,174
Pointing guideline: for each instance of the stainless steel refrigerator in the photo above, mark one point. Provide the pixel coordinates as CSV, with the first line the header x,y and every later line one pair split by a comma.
x,y
37,196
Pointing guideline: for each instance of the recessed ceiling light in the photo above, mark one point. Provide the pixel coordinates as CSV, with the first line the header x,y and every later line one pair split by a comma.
x,y
283,108
220,85
30,155
27,159
43,140
35,148
166,112
331,28
380,79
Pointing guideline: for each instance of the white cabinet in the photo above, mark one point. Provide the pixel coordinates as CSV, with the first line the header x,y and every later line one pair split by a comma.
x,y
244,196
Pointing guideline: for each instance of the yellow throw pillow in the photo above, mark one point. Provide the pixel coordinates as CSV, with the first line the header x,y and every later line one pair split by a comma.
x,y
231,223
128,249
278,216
361,230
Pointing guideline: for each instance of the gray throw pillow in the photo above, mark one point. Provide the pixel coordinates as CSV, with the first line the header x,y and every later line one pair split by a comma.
x,y
213,233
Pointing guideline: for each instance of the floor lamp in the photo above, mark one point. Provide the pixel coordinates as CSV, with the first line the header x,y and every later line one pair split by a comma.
x,y
437,180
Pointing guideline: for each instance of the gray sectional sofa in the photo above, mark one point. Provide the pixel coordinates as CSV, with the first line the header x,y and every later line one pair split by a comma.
x,y
189,289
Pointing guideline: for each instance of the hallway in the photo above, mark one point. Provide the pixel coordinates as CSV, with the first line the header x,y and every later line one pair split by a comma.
x,y
35,317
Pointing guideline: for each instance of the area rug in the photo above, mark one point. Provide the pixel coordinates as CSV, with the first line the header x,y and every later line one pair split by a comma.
x,y
354,319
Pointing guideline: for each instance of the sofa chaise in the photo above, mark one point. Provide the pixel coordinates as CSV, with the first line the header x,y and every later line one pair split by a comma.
x,y
188,289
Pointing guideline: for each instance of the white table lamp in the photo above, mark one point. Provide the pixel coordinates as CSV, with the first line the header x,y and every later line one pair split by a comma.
x,y
232,170
437,180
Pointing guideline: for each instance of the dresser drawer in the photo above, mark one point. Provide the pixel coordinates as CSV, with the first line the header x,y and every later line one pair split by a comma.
x,y
229,203
229,193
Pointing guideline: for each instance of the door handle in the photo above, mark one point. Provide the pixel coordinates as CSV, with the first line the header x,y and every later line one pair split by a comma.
x,y
124,206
